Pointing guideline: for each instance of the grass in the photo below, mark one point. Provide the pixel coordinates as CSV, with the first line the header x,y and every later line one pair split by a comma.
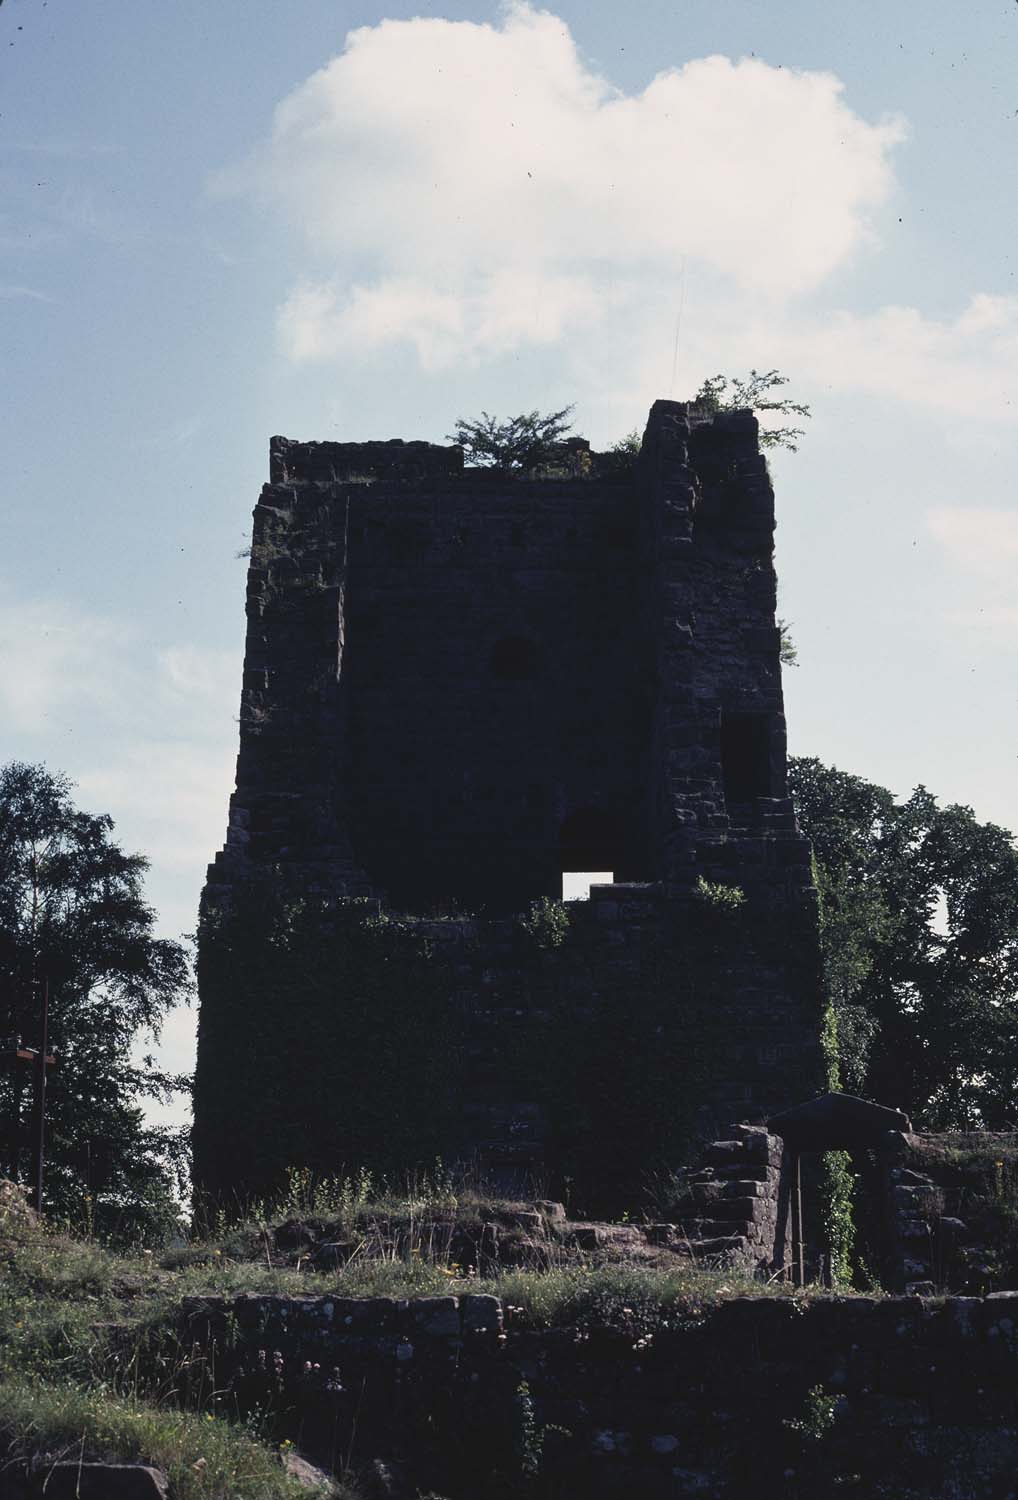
x,y
89,1363
203,1458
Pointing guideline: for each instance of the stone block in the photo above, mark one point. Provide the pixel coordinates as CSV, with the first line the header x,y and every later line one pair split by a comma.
x,y
735,1208
437,1316
306,1474
725,1153
103,1481
659,1234
552,1212
481,1314
919,1198
333,1254
738,1188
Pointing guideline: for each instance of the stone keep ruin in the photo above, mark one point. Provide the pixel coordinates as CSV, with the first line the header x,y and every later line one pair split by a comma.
x,y
460,685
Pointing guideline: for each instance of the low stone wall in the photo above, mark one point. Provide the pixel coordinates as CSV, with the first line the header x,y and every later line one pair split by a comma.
x,y
952,1207
895,1397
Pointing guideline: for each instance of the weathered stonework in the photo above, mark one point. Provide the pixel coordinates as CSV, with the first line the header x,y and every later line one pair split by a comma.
x,y
951,1211
879,1397
459,684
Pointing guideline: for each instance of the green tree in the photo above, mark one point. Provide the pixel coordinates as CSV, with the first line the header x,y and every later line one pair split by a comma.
x,y
72,912
729,393
920,939
522,442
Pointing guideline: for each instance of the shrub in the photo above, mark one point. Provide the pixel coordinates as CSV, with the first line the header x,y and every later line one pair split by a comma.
x,y
521,442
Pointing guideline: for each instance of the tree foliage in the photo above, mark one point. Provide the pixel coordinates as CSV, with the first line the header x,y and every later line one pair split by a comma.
x,y
729,393
522,442
72,912
920,939
788,651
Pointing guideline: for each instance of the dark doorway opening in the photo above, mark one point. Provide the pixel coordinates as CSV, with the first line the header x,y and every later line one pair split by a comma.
x,y
745,756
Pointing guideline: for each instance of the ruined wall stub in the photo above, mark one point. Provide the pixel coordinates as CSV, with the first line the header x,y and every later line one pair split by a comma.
x,y
458,684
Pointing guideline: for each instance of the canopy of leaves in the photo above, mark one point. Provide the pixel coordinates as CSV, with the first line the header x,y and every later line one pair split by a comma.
x,y
920,938
522,442
72,912
729,393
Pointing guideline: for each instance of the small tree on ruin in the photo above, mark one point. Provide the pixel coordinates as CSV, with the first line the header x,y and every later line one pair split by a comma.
x,y
520,443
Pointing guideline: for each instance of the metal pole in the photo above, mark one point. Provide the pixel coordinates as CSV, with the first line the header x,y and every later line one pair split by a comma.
x,y
40,1099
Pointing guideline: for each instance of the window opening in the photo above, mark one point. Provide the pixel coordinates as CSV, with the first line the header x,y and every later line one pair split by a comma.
x,y
745,756
576,883
590,843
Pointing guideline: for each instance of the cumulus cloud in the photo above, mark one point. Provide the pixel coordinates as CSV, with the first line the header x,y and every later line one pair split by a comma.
x,y
472,188
963,365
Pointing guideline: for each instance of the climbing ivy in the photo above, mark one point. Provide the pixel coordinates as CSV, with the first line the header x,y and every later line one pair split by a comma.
x,y
837,1180
288,979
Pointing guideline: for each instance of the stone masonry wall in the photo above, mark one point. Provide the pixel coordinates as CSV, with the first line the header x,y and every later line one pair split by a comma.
x,y
881,1397
459,683
952,1205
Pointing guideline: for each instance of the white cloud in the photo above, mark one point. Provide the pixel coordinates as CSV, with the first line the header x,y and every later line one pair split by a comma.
x,y
511,307
16,293
468,191
471,188
964,366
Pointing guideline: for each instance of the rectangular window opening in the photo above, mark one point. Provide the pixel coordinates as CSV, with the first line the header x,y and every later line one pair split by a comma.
x,y
576,883
745,756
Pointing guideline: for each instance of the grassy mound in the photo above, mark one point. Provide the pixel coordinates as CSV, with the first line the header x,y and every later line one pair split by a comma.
x,y
89,1366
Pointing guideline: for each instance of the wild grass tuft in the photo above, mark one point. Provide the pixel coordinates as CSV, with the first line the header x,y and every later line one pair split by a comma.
x,y
203,1458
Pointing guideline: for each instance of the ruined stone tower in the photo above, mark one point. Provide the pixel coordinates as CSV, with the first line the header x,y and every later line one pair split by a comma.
x,y
460,684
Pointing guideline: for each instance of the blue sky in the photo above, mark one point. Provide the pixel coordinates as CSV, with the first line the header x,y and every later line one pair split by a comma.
x,y
342,221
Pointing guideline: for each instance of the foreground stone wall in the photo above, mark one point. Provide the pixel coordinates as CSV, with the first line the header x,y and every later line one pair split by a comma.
x,y
896,1397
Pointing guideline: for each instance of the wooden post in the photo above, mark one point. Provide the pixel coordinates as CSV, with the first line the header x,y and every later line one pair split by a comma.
x,y
782,1261
798,1261
41,1064
41,1060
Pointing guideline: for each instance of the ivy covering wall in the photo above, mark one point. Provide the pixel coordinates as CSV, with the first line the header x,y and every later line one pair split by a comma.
x,y
335,1038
